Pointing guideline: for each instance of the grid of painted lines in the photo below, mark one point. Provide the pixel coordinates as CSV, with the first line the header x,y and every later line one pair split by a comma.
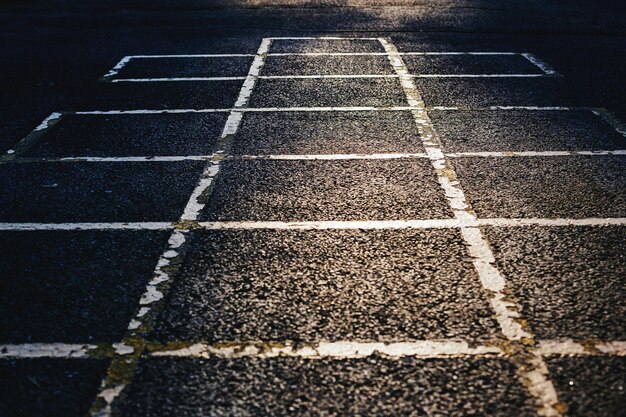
x,y
328,240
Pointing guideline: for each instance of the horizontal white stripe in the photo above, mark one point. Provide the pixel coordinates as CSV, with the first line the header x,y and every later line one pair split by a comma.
x,y
321,109
189,56
312,157
151,80
339,349
326,38
174,158
343,349
538,108
385,53
570,347
615,221
314,225
335,156
87,226
320,76
45,350
243,110
532,153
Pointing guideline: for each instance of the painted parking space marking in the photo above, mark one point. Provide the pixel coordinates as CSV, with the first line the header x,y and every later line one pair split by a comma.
x,y
156,289
534,373
112,75
32,138
524,348
87,226
342,349
317,225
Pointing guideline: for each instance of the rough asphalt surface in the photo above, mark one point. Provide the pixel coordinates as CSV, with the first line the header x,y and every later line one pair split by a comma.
x,y
229,287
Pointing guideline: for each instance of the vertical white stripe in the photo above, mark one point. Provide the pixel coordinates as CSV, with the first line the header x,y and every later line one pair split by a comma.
x,y
507,312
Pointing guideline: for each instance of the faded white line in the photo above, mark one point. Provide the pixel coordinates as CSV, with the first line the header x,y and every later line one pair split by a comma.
x,y
190,56
29,139
503,154
576,348
615,221
327,38
196,201
116,69
45,350
323,109
148,111
164,158
385,54
534,371
312,157
609,118
87,226
477,75
336,156
337,349
306,225
535,108
154,292
175,79
543,66
341,350
317,225
325,76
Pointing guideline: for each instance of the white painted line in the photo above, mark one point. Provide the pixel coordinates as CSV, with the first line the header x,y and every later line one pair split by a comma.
x,y
411,224
116,69
478,75
325,109
458,53
45,350
171,158
313,54
154,292
312,157
327,38
569,347
314,225
536,108
320,225
154,111
615,221
327,76
504,154
534,370
343,349
190,56
385,54
31,137
174,79
87,226
315,77
547,69
338,157
47,121
321,109
339,350
609,118
125,60
196,201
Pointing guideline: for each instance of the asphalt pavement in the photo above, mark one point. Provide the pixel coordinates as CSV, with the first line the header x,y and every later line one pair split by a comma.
x,y
313,208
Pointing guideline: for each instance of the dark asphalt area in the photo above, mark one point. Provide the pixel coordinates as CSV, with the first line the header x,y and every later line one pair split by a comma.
x,y
273,286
